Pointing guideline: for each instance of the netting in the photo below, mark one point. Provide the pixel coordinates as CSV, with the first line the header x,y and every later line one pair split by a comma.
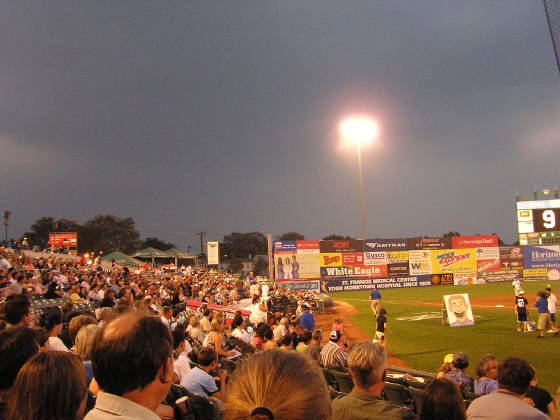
x,y
552,8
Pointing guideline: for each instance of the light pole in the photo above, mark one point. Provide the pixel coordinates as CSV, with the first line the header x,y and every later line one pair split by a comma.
x,y
361,131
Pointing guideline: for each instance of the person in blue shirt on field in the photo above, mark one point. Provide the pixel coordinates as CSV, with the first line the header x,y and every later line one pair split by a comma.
x,y
544,320
306,320
375,300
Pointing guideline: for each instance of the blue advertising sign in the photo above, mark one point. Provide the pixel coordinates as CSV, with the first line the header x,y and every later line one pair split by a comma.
x,y
346,284
542,256
287,246
385,245
300,285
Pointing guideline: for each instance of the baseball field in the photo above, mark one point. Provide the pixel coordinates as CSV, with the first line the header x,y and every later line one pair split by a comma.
x,y
420,340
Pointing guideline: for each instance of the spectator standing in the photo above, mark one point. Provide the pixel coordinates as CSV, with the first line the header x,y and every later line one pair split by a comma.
x,y
458,376
367,365
544,320
552,303
375,300
514,378
306,320
487,372
133,366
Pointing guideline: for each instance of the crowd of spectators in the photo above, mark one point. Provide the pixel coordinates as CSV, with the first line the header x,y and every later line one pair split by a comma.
x,y
77,341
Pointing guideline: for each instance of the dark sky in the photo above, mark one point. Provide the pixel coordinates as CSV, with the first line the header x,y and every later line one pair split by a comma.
x,y
223,116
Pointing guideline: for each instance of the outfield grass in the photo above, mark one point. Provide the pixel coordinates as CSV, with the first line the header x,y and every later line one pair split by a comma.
x,y
422,343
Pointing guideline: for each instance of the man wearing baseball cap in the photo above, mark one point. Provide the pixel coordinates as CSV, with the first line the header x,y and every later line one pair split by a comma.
x,y
332,354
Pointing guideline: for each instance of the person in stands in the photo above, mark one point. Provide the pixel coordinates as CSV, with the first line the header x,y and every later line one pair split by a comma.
x,y
277,384
133,365
50,385
442,401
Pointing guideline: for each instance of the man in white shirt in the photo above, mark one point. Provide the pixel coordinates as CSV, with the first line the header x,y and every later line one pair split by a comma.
x,y
552,303
119,348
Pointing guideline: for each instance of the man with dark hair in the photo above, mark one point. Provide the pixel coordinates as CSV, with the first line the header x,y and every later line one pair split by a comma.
x,y
17,346
17,312
514,378
458,376
306,319
132,363
199,381
367,366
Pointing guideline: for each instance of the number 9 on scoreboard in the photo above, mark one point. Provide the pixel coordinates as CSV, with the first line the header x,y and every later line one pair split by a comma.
x,y
546,219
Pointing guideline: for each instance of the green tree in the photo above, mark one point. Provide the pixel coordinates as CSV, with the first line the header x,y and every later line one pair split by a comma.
x,y
291,236
243,245
108,233
156,243
235,265
260,267
335,237
451,233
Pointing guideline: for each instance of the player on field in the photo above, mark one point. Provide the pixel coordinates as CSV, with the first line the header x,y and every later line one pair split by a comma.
x,y
522,309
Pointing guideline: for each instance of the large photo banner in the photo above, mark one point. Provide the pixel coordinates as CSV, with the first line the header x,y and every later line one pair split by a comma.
x,y
296,260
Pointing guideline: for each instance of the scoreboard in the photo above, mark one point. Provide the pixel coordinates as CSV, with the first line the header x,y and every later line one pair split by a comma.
x,y
538,222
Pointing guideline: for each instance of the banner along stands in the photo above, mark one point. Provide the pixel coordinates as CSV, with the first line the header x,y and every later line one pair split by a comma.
x,y
345,285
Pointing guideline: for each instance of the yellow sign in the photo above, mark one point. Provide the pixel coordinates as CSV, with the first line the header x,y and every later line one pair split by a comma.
x,y
536,272
453,261
331,259
397,256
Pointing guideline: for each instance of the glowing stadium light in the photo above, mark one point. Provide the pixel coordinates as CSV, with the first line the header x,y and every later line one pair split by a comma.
x,y
359,130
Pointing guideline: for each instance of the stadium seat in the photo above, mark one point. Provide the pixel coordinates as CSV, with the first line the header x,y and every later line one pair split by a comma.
x,y
331,381
417,396
345,384
398,394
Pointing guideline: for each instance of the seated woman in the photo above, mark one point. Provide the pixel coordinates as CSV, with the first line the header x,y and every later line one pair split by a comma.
x,y
50,385
277,384
215,338
442,401
51,321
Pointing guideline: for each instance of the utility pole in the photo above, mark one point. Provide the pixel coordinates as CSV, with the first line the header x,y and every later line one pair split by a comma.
x,y
189,249
201,245
6,218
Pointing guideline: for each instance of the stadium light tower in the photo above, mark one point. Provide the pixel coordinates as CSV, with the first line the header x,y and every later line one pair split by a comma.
x,y
361,131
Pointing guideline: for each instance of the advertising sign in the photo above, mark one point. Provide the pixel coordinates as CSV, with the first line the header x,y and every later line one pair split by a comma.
x,y
355,271
543,256
313,286
511,257
213,253
500,276
63,239
307,247
485,254
285,246
345,245
429,243
397,256
309,267
344,285
398,269
453,261
536,274
488,265
331,260
463,279
375,258
375,245
459,242
420,262
353,258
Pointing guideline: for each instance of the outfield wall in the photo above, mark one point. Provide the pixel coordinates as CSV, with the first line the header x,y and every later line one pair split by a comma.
x,y
409,262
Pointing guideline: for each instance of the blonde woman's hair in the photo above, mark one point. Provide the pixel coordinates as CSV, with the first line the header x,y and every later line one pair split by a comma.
x,y
84,341
216,324
286,384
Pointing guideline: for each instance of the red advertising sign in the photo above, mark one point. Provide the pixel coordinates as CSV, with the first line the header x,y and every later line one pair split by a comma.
x,y
63,239
459,242
307,244
488,265
353,258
